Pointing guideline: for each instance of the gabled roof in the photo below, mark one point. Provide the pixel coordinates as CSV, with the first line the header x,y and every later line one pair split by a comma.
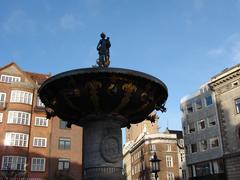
x,y
39,78
35,77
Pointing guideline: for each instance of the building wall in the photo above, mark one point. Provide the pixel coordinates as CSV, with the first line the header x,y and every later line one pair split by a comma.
x,y
210,131
30,83
142,152
143,127
192,119
227,88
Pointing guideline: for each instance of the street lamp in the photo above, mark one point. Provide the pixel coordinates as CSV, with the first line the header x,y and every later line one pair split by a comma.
x,y
155,164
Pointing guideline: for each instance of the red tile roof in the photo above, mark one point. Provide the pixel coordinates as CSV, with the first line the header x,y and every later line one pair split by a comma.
x,y
39,78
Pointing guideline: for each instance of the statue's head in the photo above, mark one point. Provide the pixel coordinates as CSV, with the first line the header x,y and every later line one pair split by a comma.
x,y
103,35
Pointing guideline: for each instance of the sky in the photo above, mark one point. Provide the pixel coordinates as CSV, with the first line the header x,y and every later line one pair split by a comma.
x,y
182,42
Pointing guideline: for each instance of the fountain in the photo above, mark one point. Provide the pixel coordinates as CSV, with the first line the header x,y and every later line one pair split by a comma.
x,y
102,100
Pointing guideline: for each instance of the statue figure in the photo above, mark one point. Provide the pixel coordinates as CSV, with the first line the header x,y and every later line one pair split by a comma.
x,y
103,51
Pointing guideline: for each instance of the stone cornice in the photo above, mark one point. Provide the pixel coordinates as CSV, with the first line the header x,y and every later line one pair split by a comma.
x,y
225,83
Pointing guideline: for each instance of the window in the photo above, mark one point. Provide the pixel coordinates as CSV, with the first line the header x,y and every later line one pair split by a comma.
x,y
14,163
2,99
39,142
237,105
16,139
214,142
235,83
21,97
203,145
202,169
201,125
152,147
18,117
38,164
189,108
63,124
169,147
9,79
186,149
198,104
170,176
208,100
218,166
193,148
41,121
182,157
1,117
63,164
64,143
191,128
39,103
169,161
211,121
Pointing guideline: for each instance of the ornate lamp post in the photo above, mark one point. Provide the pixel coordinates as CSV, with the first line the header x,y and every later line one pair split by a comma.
x,y
155,165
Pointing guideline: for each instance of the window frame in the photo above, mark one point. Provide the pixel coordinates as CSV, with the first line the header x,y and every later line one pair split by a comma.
x,y
237,105
23,97
1,117
41,140
41,121
205,99
22,166
17,140
209,118
170,176
39,103
9,78
199,124
64,140
201,146
61,122
2,102
198,104
19,117
169,161
190,108
152,147
189,129
169,148
211,141
191,149
64,160
38,166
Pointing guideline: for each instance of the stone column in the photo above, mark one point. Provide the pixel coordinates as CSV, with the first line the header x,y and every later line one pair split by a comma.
x,y
102,150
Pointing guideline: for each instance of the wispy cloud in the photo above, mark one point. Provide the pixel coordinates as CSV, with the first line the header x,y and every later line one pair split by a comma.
x,y
229,49
18,21
71,22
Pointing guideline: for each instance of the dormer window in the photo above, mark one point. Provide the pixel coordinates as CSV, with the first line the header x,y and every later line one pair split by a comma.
x,y
9,79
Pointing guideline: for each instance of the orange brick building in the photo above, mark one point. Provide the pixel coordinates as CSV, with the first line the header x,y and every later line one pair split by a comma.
x,y
31,145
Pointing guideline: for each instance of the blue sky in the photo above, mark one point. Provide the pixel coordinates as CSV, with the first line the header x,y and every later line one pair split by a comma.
x,y
183,43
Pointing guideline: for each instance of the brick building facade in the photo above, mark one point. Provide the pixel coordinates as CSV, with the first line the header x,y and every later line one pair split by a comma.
x,y
165,145
31,145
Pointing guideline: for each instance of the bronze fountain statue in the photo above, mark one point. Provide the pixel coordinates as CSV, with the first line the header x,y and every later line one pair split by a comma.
x,y
103,51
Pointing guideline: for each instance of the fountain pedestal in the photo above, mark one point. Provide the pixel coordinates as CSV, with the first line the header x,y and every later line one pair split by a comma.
x,y
103,149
